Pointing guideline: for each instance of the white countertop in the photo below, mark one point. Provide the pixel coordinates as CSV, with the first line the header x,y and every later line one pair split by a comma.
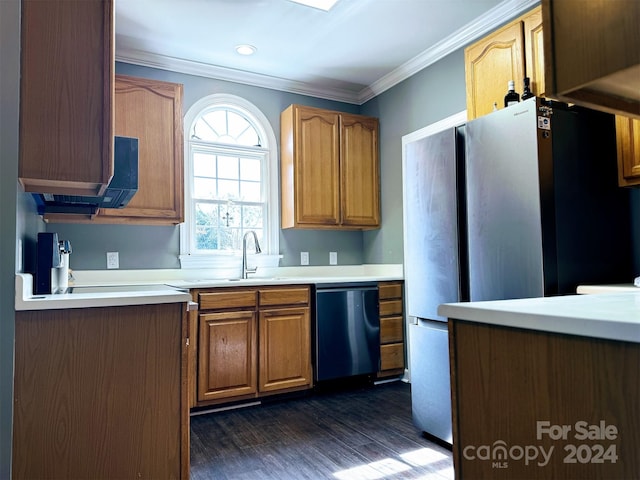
x,y
110,297
619,288
138,287
613,316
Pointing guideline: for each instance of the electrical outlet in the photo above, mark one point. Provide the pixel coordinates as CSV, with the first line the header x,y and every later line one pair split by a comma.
x,y
304,258
113,260
333,258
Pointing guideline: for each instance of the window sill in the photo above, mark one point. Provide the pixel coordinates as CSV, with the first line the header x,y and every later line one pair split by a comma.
x,y
228,264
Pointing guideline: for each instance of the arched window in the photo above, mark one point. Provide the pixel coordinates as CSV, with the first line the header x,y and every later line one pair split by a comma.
x,y
230,180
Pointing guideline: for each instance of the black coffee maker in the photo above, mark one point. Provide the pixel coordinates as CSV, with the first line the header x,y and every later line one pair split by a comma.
x,y
52,264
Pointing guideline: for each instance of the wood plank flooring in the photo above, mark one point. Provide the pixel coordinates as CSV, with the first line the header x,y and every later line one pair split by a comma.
x,y
364,432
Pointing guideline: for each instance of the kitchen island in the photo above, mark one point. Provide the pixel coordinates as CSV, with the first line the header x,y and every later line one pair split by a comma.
x,y
100,383
546,388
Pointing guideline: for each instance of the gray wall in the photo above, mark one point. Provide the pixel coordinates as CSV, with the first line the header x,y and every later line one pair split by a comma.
x,y
428,96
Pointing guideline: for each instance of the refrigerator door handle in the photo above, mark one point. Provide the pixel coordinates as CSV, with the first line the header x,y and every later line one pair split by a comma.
x,y
430,323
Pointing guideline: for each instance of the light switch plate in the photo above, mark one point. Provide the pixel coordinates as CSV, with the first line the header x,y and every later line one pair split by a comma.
x,y
113,260
304,258
333,258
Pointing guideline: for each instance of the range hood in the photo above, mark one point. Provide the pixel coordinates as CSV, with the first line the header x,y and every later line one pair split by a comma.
x,y
122,187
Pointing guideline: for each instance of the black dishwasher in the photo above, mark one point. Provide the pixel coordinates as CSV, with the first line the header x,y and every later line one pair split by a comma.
x,y
347,331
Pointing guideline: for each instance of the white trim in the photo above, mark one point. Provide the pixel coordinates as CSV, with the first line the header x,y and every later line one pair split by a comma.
x,y
226,265
270,172
173,64
474,30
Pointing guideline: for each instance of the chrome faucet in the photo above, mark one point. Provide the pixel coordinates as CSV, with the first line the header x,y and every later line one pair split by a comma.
x,y
246,270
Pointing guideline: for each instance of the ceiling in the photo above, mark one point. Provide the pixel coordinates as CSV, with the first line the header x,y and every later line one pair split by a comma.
x,y
352,53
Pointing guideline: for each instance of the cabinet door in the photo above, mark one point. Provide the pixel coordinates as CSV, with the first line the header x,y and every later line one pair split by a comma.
x,y
226,355
628,142
489,65
534,51
310,167
359,171
100,393
66,96
391,329
285,349
151,111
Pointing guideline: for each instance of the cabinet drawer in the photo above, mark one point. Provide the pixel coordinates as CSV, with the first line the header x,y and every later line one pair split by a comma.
x,y
391,330
283,296
390,307
392,356
227,299
389,290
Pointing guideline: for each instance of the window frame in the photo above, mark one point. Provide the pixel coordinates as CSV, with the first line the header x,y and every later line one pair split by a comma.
x,y
189,256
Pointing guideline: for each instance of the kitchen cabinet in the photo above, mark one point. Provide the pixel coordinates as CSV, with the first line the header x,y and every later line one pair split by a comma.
x,y
512,52
66,96
512,387
391,329
519,48
628,143
593,53
151,111
227,355
251,342
329,170
101,393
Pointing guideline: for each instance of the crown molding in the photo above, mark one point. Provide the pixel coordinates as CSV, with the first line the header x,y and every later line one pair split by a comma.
x,y
173,64
484,24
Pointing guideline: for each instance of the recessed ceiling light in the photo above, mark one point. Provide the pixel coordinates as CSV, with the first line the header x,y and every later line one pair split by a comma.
x,y
246,49
325,5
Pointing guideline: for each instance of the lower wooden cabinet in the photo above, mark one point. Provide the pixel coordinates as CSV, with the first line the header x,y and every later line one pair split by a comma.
x,y
285,357
574,398
227,355
392,343
251,342
101,393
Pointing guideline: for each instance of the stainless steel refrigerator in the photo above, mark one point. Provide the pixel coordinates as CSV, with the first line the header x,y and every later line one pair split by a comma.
x,y
520,203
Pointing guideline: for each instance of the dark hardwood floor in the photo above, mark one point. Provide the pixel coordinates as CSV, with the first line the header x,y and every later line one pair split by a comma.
x,y
364,432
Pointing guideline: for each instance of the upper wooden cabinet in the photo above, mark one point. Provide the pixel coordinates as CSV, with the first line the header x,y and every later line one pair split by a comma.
x,y
66,96
593,53
534,51
510,53
359,171
151,111
329,169
628,142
